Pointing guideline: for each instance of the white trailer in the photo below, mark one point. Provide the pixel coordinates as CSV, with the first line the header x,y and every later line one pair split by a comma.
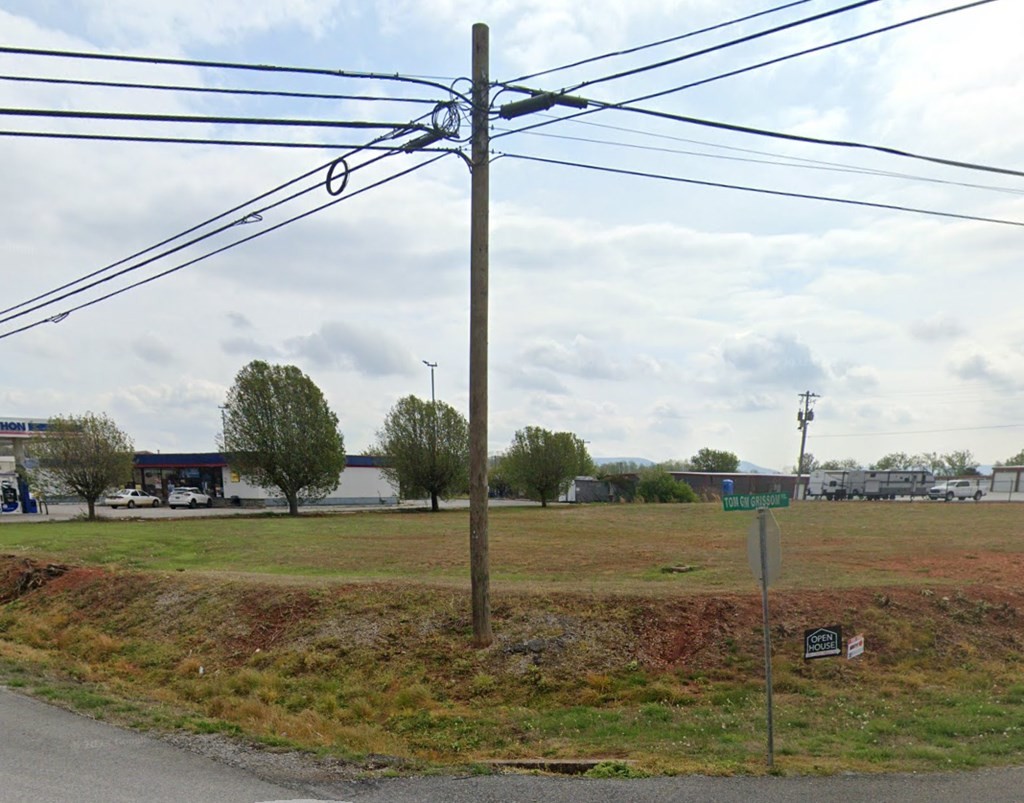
x,y
869,484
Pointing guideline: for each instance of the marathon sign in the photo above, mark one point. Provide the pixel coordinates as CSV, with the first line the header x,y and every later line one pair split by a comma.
x,y
823,642
21,427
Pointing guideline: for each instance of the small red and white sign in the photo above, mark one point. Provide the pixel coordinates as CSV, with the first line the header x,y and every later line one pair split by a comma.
x,y
855,646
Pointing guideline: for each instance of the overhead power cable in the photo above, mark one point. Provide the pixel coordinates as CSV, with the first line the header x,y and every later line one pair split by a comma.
x,y
228,65
190,118
251,217
213,90
625,105
660,42
250,143
761,190
375,144
802,164
836,143
918,431
64,314
731,43
808,51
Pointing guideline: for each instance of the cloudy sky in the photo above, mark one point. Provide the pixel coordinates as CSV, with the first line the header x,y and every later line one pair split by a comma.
x,y
651,316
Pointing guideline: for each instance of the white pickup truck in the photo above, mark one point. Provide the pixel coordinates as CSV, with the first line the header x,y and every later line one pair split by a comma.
x,y
956,489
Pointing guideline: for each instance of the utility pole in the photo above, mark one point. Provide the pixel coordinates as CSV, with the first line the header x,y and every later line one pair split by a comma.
x,y
479,247
804,416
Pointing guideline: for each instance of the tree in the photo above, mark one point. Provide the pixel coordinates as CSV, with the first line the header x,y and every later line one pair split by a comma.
x,y
280,433
961,463
810,463
846,464
714,460
657,485
543,463
1016,460
426,449
82,455
894,461
933,462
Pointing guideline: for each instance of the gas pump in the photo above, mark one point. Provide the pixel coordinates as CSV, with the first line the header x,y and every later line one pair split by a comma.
x,y
10,499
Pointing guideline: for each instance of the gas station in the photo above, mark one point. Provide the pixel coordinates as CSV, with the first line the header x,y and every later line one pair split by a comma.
x,y
14,492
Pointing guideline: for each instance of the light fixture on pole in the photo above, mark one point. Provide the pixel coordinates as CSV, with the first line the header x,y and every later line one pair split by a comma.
x,y
431,366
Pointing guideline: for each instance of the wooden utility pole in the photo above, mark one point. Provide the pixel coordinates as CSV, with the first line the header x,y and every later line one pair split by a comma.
x,y
478,333
803,419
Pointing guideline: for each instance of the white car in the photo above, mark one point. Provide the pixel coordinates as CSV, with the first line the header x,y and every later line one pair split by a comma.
x,y
188,497
130,497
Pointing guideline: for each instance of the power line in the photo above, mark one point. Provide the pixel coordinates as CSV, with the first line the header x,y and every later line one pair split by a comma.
x,y
836,143
64,314
228,65
197,141
731,43
762,190
816,49
251,217
624,105
213,90
190,118
660,42
720,146
829,167
352,151
918,431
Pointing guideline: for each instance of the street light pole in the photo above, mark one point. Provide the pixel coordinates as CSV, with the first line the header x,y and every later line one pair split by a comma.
x,y
431,366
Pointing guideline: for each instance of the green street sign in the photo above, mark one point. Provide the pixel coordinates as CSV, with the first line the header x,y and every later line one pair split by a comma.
x,y
754,501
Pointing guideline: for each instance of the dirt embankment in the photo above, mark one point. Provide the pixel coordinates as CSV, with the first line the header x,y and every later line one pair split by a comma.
x,y
230,621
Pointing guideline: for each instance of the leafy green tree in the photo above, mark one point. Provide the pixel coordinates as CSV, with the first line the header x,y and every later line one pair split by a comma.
x,y
543,463
426,449
657,485
83,456
810,463
894,461
933,462
674,465
714,460
280,433
961,463
1016,460
846,464
617,468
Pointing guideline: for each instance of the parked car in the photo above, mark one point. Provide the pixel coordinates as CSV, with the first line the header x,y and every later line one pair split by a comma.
x,y
130,497
956,489
188,497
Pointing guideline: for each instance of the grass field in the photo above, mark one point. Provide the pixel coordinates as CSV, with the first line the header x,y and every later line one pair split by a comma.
x,y
349,634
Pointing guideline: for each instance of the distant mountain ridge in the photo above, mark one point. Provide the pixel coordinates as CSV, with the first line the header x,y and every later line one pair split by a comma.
x,y
640,461
746,467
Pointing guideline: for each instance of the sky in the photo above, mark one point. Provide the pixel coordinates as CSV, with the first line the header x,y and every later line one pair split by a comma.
x,y
650,315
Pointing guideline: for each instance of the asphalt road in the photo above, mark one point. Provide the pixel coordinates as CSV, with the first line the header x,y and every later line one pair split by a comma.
x,y
49,754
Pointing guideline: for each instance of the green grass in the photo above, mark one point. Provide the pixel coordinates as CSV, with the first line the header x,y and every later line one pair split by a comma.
x,y
602,548
349,635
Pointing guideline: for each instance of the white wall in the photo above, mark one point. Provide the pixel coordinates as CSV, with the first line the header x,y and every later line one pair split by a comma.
x,y
357,485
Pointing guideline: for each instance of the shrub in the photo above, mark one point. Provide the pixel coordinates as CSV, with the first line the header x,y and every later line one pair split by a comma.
x,y
657,485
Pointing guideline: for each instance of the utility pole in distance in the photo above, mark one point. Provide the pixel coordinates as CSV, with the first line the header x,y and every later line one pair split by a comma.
x,y
804,416
479,247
